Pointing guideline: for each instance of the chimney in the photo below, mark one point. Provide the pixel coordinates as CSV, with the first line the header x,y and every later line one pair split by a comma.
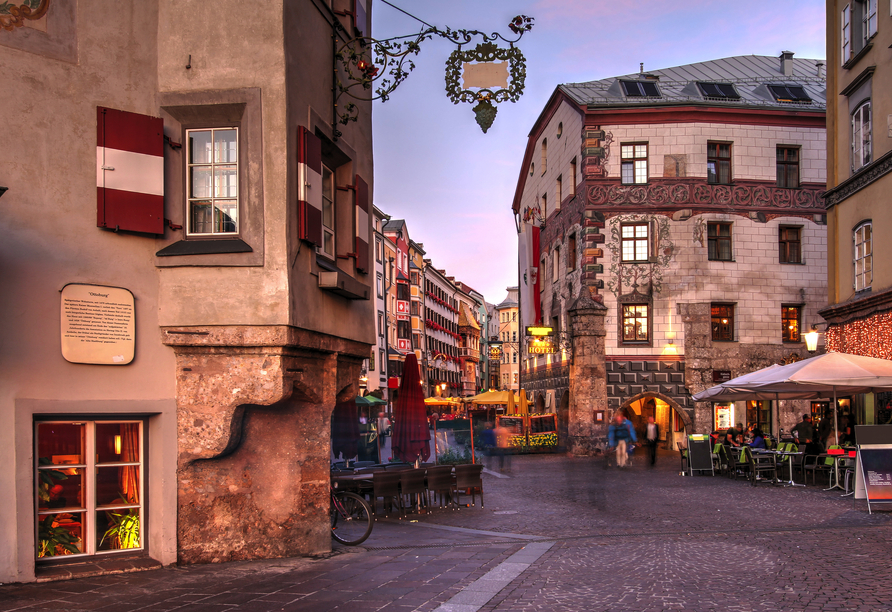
x,y
819,66
641,68
786,63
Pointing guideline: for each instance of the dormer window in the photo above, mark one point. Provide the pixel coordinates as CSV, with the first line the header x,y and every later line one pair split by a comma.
x,y
722,91
789,93
640,89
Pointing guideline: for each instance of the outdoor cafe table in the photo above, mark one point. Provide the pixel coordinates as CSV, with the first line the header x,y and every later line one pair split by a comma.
x,y
790,455
837,456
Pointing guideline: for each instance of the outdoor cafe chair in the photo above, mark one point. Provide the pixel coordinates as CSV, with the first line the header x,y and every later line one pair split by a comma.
x,y
684,459
760,463
468,479
412,486
737,463
719,459
441,484
387,486
819,463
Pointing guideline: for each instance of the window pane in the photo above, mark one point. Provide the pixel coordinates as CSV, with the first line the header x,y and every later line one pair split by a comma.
x,y
118,529
710,172
328,243
640,171
117,442
201,217
226,182
641,150
628,231
200,146
641,231
201,182
225,146
60,534
117,485
60,488
627,151
226,216
60,443
628,173
725,229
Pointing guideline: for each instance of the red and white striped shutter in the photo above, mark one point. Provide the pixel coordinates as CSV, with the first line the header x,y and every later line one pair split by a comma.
x,y
361,204
309,186
129,171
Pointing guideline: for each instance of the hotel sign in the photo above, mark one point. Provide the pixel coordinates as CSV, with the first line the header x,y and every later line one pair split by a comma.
x,y
495,352
542,346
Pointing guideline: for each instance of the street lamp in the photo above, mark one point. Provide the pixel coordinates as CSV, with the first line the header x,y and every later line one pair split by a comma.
x,y
811,340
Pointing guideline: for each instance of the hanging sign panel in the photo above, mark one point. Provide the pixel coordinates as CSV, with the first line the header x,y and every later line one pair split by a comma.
x,y
98,325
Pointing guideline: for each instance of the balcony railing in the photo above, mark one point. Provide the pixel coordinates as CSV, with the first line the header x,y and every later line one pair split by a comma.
x,y
469,353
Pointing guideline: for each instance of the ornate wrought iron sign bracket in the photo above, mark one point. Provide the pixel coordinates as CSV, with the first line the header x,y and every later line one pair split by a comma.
x,y
372,69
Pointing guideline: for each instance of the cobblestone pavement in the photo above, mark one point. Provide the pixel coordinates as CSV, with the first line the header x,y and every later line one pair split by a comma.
x,y
633,539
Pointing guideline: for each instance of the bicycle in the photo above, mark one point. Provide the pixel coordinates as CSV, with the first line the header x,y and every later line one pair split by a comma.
x,y
351,518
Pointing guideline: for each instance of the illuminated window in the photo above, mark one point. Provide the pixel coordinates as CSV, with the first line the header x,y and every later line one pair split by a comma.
x,y
635,323
723,322
790,244
718,241
634,163
89,485
634,238
863,247
791,317
718,163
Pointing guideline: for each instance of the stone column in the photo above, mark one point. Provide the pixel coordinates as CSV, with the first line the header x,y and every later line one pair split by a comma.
x,y
698,355
254,420
588,376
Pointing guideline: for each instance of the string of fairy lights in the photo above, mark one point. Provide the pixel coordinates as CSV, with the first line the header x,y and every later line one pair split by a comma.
x,y
871,337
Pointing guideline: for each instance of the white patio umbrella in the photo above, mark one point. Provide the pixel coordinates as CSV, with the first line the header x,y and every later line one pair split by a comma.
x,y
829,373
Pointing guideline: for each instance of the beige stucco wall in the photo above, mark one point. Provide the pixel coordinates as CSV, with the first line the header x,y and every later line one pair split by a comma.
x,y
51,239
870,202
230,50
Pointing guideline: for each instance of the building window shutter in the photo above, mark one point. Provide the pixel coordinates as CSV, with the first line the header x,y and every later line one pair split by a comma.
x,y
129,171
361,206
309,186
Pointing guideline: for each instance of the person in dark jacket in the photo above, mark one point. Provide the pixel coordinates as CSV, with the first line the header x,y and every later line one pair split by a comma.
x,y
619,435
652,434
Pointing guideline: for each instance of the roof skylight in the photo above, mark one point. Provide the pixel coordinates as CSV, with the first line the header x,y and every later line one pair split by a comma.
x,y
789,93
640,89
724,91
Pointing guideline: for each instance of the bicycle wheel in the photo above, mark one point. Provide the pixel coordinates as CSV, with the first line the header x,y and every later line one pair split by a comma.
x,y
351,518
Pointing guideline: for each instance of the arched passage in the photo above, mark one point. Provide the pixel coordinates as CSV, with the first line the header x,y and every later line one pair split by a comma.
x,y
662,407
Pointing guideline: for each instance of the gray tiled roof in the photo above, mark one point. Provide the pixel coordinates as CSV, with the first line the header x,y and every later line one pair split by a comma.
x,y
750,75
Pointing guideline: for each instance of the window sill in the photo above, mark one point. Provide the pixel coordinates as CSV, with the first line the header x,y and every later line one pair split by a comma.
x,y
792,263
861,53
725,341
723,260
205,247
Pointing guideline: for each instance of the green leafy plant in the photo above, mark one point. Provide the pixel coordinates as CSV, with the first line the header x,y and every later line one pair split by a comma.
x,y
123,529
455,457
53,538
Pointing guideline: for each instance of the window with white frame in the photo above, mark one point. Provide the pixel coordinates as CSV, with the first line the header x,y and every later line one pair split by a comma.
x,y
634,163
89,487
845,36
863,256
328,213
861,136
634,239
869,20
212,177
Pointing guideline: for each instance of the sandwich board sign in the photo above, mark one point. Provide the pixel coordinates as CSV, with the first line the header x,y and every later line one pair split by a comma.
x,y
700,454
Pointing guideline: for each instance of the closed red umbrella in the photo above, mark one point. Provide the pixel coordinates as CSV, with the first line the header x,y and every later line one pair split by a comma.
x,y
345,430
411,436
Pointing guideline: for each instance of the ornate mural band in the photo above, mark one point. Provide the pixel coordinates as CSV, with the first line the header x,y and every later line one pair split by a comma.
x,y
703,194
14,15
880,167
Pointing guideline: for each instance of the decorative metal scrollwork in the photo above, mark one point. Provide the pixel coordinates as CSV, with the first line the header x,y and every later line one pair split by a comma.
x,y
372,69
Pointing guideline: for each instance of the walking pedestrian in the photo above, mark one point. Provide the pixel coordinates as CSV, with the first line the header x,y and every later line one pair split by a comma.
x,y
653,438
619,435
502,445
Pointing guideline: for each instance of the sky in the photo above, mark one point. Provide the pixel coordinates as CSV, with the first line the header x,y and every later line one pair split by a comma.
x,y
454,185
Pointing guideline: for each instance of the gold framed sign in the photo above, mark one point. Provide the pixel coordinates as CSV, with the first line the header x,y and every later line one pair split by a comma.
x,y
98,324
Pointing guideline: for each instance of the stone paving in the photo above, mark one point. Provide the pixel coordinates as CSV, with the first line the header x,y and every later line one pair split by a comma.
x,y
558,533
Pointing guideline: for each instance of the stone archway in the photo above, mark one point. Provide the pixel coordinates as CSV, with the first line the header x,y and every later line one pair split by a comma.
x,y
626,408
540,403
